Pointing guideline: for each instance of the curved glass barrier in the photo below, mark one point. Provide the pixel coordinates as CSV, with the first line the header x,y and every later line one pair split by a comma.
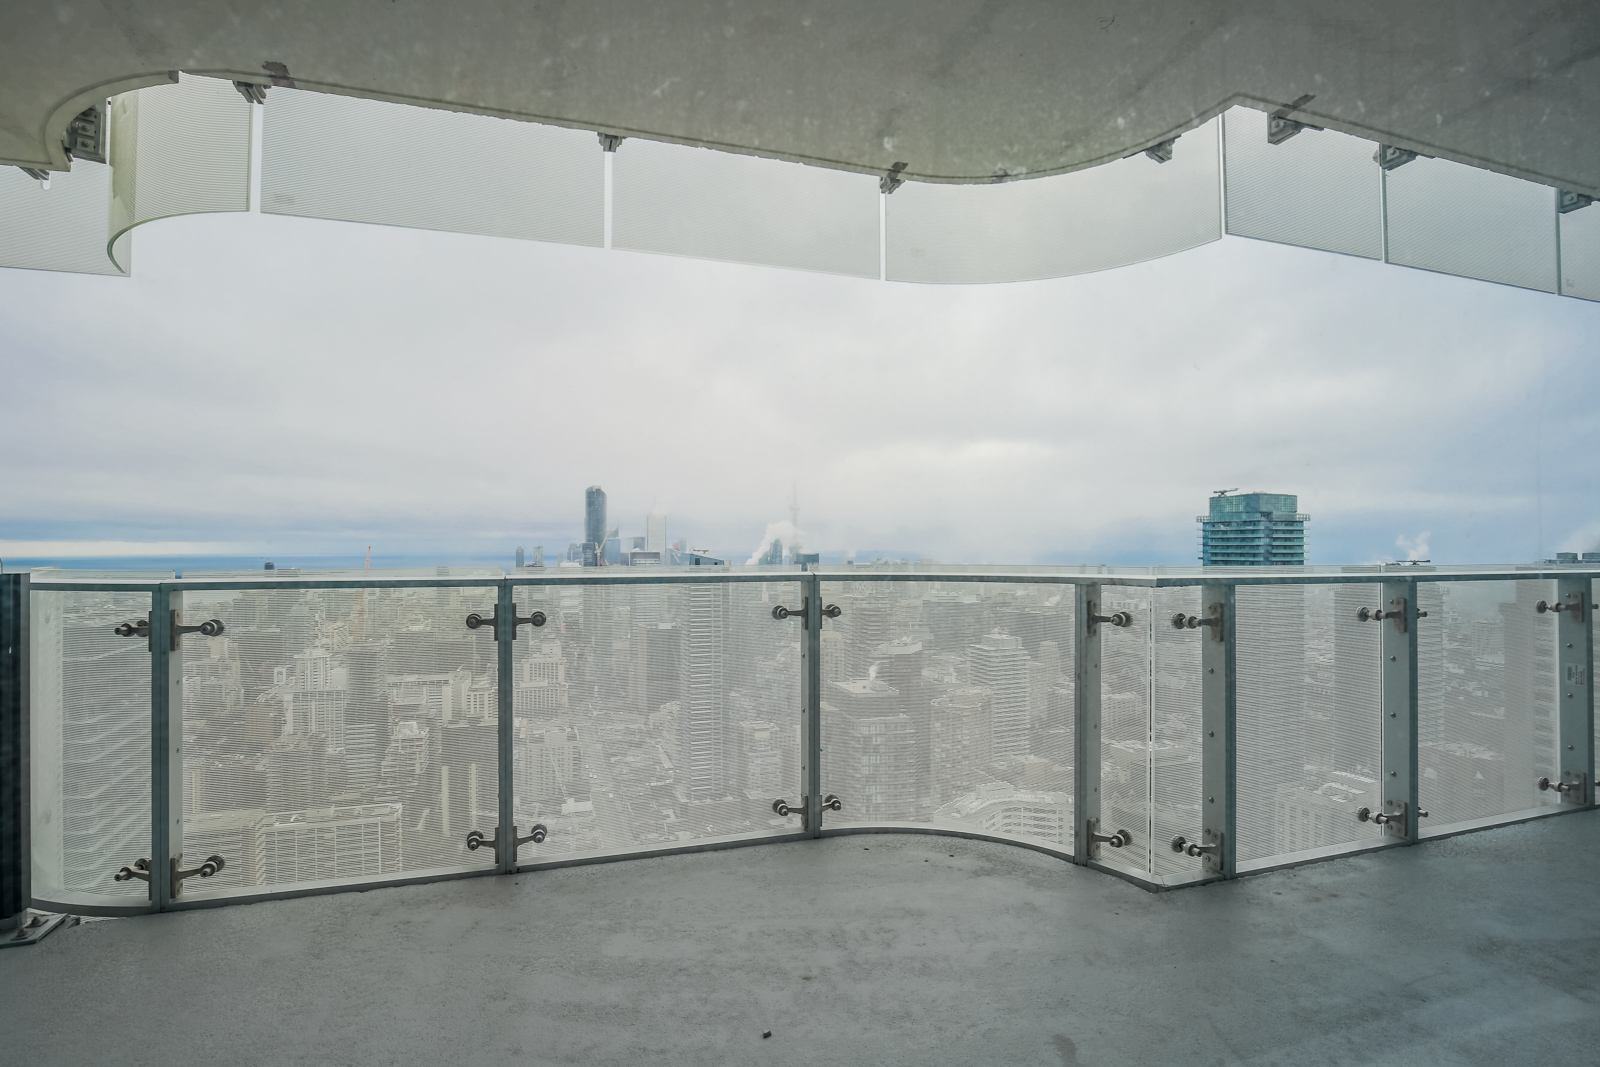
x,y
340,732
698,202
949,704
654,715
1107,216
180,149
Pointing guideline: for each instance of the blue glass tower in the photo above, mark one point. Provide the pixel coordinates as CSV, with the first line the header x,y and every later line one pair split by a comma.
x,y
1253,530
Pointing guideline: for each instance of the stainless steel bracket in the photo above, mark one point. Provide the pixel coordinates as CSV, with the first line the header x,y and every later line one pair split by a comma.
x,y
1395,820
536,834
1574,603
1397,614
1213,620
475,621
1574,786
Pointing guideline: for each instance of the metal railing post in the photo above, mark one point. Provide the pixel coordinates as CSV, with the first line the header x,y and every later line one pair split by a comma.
x,y
811,702
1398,648
16,851
1086,726
1575,692
1218,709
505,632
166,741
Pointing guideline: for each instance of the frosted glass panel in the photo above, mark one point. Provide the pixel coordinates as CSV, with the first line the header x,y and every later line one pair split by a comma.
x,y
337,735
950,704
1107,216
650,716
339,157
1580,253
1175,731
1457,219
1309,720
1486,700
178,150
1318,189
1125,749
60,228
717,205
90,740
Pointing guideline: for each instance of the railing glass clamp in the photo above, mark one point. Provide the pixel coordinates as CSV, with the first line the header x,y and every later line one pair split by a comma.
x,y
1571,790
1574,604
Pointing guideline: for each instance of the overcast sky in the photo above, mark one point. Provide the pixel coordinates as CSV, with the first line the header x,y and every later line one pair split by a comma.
x,y
293,387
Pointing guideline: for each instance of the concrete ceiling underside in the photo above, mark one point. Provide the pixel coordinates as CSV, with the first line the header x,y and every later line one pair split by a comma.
x,y
956,90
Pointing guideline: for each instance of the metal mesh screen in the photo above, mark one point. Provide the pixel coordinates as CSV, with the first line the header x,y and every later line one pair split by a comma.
x,y
950,704
337,734
1125,738
1309,720
1107,216
1580,253
1176,797
90,740
1318,189
178,150
653,715
1487,691
719,205
339,157
59,228
1456,219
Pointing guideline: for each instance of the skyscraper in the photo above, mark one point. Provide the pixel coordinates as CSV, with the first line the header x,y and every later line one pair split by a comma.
x,y
655,534
594,522
1253,530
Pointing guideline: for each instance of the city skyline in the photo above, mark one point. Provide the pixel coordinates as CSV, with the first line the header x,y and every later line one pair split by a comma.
x,y
1067,421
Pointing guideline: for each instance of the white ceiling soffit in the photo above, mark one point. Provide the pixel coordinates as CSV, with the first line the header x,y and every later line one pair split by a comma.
x,y
957,90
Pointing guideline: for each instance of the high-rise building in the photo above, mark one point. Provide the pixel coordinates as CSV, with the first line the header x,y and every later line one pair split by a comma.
x,y
655,533
999,666
1253,530
701,771
594,515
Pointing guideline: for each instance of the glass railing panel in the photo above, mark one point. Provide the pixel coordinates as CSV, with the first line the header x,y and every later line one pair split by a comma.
x,y
1580,253
1309,720
177,150
1176,797
340,157
1126,751
949,704
59,228
1456,219
1126,211
337,735
1318,189
686,201
654,715
1487,691
90,746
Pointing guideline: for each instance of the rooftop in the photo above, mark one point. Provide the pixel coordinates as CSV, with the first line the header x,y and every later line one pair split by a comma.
x,y
885,949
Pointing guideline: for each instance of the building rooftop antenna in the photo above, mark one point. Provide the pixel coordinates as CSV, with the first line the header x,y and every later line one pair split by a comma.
x,y
1224,492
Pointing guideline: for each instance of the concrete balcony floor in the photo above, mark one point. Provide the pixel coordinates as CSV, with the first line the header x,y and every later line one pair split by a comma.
x,y
883,949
